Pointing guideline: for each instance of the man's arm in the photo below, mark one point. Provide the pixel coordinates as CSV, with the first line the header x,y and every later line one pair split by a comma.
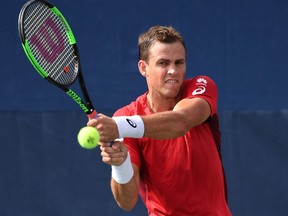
x,y
126,195
186,114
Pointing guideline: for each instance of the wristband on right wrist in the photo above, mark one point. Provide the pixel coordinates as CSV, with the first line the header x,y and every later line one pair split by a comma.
x,y
123,174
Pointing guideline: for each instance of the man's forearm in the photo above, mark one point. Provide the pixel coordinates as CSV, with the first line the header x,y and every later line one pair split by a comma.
x,y
165,125
186,114
126,195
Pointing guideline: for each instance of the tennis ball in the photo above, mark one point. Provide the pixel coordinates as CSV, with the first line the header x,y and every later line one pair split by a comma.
x,y
88,137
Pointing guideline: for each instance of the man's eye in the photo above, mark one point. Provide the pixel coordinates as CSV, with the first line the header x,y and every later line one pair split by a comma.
x,y
163,63
180,62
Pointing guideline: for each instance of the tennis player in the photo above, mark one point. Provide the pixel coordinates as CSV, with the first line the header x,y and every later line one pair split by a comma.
x,y
170,153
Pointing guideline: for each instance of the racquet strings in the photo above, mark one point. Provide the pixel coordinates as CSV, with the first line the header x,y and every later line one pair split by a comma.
x,y
49,43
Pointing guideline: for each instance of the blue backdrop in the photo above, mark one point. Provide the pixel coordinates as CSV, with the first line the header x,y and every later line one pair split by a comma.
x,y
242,45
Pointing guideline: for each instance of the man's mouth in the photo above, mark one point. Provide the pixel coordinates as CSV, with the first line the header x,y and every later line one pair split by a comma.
x,y
171,81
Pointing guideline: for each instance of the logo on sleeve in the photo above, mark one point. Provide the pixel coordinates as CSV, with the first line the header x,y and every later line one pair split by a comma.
x,y
201,83
130,122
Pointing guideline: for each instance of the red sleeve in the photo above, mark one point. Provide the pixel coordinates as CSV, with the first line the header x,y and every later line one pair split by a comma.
x,y
202,87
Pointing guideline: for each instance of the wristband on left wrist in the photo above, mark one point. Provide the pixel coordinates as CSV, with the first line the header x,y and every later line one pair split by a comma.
x,y
130,126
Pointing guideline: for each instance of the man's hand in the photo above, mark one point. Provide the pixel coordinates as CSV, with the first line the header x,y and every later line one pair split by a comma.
x,y
114,154
106,126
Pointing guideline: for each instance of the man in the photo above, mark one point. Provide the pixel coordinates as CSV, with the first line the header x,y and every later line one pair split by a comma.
x,y
170,154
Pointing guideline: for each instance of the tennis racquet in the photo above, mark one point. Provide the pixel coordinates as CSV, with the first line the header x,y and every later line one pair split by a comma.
x,y
51,47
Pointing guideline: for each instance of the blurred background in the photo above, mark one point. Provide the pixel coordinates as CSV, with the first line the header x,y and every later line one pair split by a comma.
x,y
241,44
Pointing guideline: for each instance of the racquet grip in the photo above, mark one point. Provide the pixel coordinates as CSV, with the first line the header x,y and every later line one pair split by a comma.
x,y
93,115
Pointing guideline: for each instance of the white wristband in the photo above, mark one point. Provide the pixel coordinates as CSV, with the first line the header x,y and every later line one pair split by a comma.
x,y
123,174
130,126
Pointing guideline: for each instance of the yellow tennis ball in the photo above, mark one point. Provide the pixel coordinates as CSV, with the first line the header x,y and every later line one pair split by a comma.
x,y
88,137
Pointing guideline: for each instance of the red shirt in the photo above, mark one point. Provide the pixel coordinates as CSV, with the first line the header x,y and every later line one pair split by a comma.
x,y
181,176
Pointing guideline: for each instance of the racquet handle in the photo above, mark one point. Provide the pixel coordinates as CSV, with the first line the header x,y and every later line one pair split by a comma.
x,y
92,115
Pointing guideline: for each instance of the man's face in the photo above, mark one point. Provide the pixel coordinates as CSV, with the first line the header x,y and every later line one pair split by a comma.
x,y
165,69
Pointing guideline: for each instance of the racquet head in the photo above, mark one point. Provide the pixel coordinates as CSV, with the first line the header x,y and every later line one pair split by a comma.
x,y
50,46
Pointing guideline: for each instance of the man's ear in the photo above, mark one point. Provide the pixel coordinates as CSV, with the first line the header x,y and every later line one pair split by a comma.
x,y
143,68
